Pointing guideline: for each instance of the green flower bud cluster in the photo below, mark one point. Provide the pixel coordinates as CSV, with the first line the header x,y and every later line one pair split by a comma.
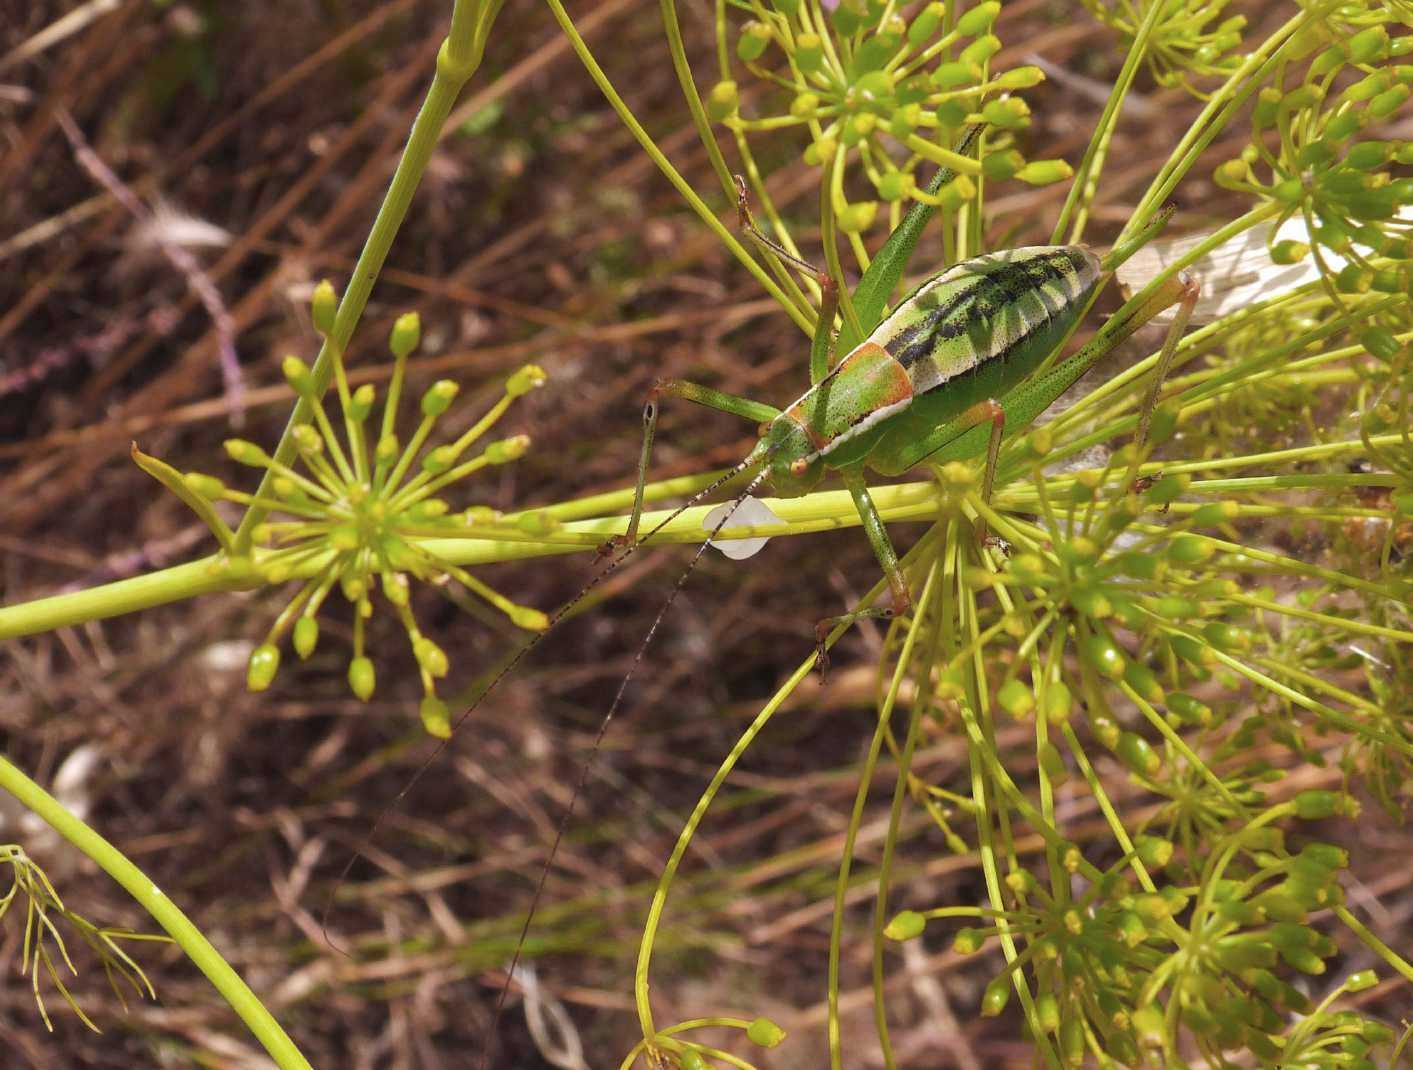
x,y
1315,152
355,511
887,92
1190,40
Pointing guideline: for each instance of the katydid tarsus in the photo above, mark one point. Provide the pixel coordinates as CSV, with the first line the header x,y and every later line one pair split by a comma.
x,y
966,358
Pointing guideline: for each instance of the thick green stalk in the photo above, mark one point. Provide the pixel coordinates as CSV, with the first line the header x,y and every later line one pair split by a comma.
x,y
178,926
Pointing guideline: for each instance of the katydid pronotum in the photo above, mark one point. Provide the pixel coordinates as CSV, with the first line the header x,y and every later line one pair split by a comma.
x,y
969,356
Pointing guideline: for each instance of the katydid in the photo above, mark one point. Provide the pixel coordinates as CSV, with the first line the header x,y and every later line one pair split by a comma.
x,y
956,355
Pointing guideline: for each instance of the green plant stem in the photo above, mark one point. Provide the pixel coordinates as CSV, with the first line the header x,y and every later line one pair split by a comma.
x,y
822,511
178,926
457,61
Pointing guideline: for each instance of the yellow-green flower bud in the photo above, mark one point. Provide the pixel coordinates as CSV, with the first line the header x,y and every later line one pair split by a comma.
x,y
406,333
507,449
753,40
820,151
857,217
905,925
324,306
362,678
928,20
1021,78
981,50
805,105
387,449
999,166
1007,113
439,397
1289,252
307,440
979,19
438,460
396,589
435,718
297,374
530,377
896,185
243,452
766,1034
361,404
532,620
957,192
1368,45
955,74
1016,698
264,661
996,996
204,486
306,637
431,657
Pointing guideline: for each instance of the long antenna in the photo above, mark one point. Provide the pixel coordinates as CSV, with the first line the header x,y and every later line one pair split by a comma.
x,y
559,614
584,766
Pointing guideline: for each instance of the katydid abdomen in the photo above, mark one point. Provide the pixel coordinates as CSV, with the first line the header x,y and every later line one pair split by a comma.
x,y
968,335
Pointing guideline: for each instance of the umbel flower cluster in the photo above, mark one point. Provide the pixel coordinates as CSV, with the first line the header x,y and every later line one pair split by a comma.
x,y
890,92
354,514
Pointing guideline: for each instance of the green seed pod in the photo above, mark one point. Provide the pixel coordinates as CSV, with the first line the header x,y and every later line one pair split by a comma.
x,y
1140,677
951,114
764,1033
805,106
306,637
1016,698
968,941
1225,637
955,74
957,192
532,620
1059,703
927,23
1072,1042
1104,656
437,461
1314,804
979,19
1289,191
297,374
1344,124
1136,753
999,166
751,45
439,397
1053,763
247,453
723,100
1047,1011
857,128
981,50
1388,102
1020,78
1007,113
1358,982
996,996
858,216
847,19
1353,279
1268,103
873,89
264,662
818,152
530,377
1368,155
1315,156
1368,45
1187,551
431,657
324,307
875,52
809,53
1388,281
435,718
406,333
1328,61
895,186
1188,709
691,1059
1153,851
507,449
361,404
906,925
204,486
1131,929
1192,651
361,677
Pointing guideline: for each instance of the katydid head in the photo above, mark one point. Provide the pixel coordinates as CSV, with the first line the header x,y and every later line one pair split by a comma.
x,y
788,457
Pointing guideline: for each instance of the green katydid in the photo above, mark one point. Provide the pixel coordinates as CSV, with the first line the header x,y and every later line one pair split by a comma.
x,y
955,357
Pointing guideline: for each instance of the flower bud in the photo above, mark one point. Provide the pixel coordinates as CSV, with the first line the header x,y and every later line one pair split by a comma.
x,y
928,21
361,677
306,637
324,306
1016,698
307,440
532,620
507,449
764,1033
431,657
981,50
435,718
996,996
361,404
530,377
809,52
243,452
264,662
297,374
439,397
906,925
755,36
406,333
858,216
204,486
979,19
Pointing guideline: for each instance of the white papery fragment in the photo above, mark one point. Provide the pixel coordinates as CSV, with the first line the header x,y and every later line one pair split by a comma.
x,y
1236,274
749,514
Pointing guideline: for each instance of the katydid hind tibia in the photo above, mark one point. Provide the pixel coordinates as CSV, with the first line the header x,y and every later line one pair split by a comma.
x,y
966,358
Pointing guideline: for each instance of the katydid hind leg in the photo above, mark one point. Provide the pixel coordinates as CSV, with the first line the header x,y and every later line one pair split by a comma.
x,y
877,533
